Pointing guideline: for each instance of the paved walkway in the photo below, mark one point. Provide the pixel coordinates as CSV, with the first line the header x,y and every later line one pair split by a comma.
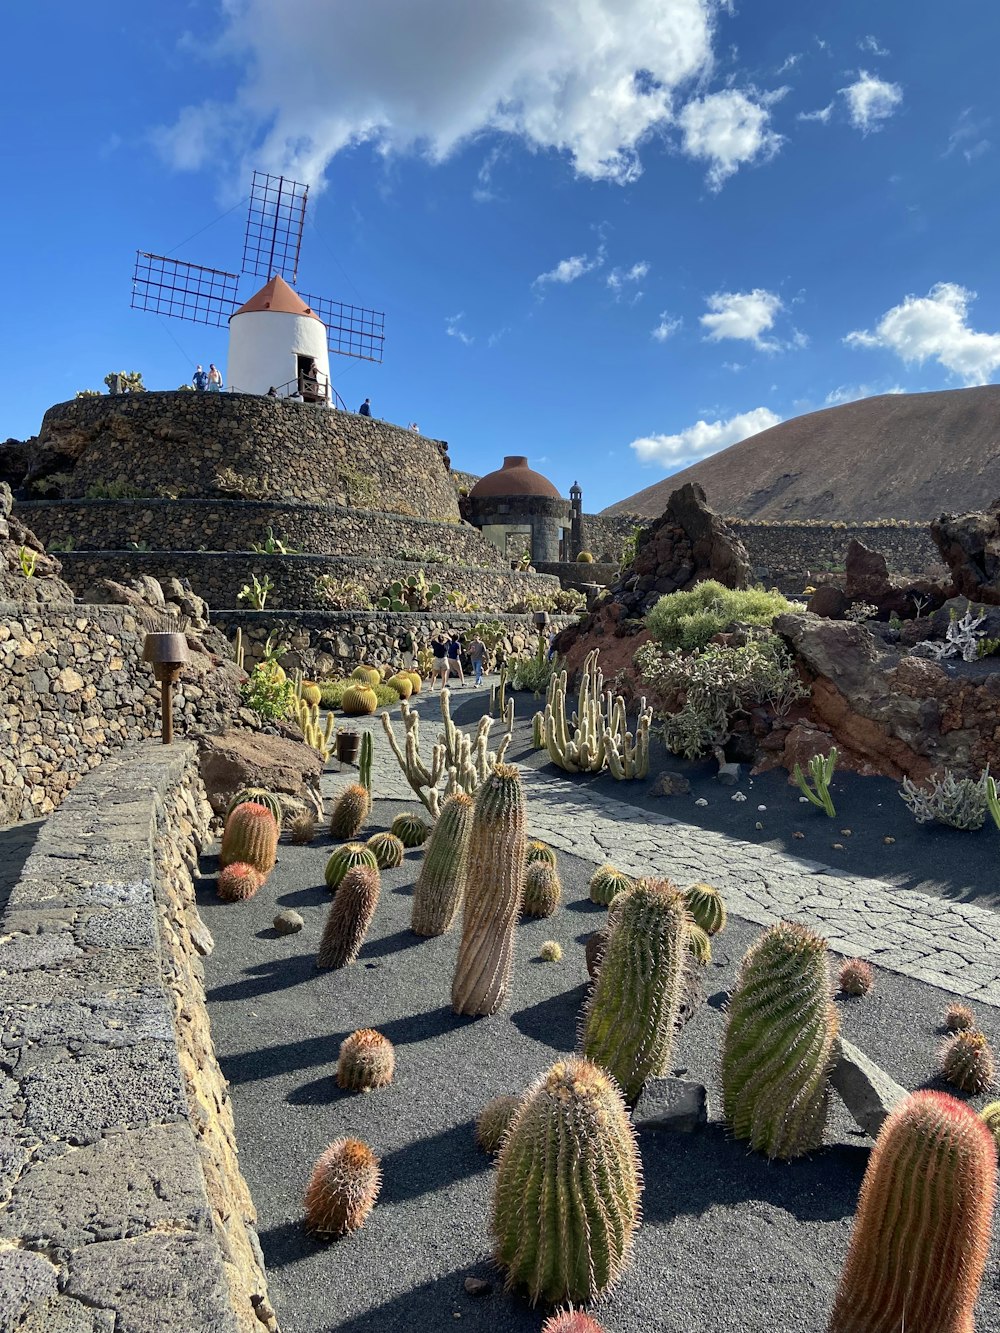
x,y
951,945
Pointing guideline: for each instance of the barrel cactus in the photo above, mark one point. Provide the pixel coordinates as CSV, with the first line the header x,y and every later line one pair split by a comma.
x,y
585,558
573,1114
606,883
542,889
344,1186
959,1018
540,851
367,1060
238,882
967,1062
594,950
311,692
350,810
402,684
855,977
348,857
551,952
921,1233
699,944
494,888
440,886
571,1321
631,1013
367,675
411,830
778,1048
349,917
493,1121
415,680
387,849
359,700
259,796
706,907
302,829
250,836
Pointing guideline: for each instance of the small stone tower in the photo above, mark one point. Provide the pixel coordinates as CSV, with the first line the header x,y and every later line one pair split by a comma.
x,y
576,520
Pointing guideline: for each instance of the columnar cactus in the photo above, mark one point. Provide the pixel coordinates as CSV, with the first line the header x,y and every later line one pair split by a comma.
x,y
922,1230
494,889
494,1120
344,1186
349,917
259,796
411,830
628,1024
779,1043
359,700
706,907
250,836
967,1062
542,889
365,762
440,886
606,883
367,1060
566,1201
347,858
238,882
350,810
540,851
387,849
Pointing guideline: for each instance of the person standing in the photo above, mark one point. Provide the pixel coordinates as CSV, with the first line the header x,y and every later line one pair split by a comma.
x,y
455,659
477,654
199,379
407,650
365,410
440,650
214,379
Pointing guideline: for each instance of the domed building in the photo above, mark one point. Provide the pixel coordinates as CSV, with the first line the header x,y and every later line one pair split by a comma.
x,y
518,510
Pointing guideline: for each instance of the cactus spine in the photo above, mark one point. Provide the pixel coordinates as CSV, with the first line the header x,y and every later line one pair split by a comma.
x,y
566,1200
303,827
778,1048
365,762
259,796
922,1230
628,1024
855,977
387,850
351,808
494,889
571,1321
237,882
348,857
349,917
606,883
707,907
251,836
367,675
344,1186
440,886
542,889
367,1060
411,830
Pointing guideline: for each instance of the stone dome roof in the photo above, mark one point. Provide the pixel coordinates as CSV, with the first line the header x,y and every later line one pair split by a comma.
x,y
515,478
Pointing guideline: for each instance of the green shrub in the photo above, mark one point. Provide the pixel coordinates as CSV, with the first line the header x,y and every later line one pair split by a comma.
x,y
690,619
268,692
115,490
531,671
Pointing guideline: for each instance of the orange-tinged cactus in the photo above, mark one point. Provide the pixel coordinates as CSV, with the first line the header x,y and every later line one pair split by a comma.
x,y
855,977
238,882
967,1062
349,917
251,836
571,1321
367,1060
344,1186
351,809
922,1230
959,1017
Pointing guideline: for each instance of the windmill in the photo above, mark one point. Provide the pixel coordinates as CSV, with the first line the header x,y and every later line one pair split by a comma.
x,y
279,338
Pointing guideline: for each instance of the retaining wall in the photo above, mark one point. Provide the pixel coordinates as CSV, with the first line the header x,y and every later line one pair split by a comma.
x,y
575,573
121,1201
792,554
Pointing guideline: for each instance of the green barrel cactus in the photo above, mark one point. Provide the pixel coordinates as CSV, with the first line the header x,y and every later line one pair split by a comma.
x,y
494,888
367,1060
778,1048
606,883
350,810
707,907
542,889
566,1198
440,886
699,944
343,1188
250,836
631,1012
368,675
540,851
967,1062
388,850
990,1116
494,1120
259,796
349,917
411,830
346,858
359,700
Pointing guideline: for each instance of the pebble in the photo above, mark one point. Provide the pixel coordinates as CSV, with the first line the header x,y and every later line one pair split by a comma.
x,y
478,1286
701,801
737,796
288,922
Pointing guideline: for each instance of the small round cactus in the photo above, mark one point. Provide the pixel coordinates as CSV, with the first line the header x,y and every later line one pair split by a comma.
x,y
699,944
351,808
606,883
551,952
346,858
401,684
367,675
542,889
415,680
367,1060
959,1018
540,851
238,881
411,830
967,1062
311,692
259,796
855,977
585,558
990,1116
303,827
493,1121
706,907
387,849
571,1321
344,1186
359,700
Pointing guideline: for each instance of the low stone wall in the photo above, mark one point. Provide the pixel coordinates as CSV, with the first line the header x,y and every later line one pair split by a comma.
x,y
121,1201
574,573
605,534
218,577
790,555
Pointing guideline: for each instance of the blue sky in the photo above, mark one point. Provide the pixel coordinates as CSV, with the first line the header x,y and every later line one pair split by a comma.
x,y
614,235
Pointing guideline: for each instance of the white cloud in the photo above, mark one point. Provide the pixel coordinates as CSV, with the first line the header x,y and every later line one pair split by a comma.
x,y
568,270
872,44
591,79
968,137
935,327
822,115
851,393
870,101
743,315
452,328
667,326
789,62
703,438
727,130
619,278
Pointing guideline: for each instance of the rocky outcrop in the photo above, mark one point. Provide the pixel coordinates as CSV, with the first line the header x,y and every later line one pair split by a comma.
x,y
970,547
43,583
867,580
236,759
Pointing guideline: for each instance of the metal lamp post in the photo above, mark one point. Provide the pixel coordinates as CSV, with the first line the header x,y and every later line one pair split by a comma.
x,y
167,653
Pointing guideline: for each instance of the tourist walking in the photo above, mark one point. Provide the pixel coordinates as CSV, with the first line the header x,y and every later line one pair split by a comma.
x,y
477,654
440,650
407,650
199,379
455,659
214,379
365,410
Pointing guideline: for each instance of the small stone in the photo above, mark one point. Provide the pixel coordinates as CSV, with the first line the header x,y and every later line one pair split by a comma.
x,y
837,846
866,1090
478,1286
845,832
288,922
701,801
762,807
728,774
670,784
803,800
671,1103
797,834
888,841
758,826
737,796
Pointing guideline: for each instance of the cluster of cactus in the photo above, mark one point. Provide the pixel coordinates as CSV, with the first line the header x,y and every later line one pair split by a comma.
x,y
348,857
821,772
542,889
440,886
494,1120
967,1062
367,675
359,700
597,735
414,593
251,837
349,917
921,1233
493,894
855,977
779,1043
606,883
540,851
387,849
237,882
259,796
573,1114
458,762
367,1060
706,907
318,737
411,830
343,1188
350,810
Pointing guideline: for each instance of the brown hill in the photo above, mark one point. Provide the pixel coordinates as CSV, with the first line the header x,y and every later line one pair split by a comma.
x,y
907,456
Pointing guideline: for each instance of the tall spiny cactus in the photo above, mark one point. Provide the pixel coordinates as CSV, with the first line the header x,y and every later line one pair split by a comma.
x,y
566,1200
494,889
597,735
365,762
351,808
628,1023
349,917
250,836
779,1043
922,1230
440,886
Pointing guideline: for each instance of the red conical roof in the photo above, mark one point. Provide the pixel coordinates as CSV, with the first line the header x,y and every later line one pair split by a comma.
x,y
276,295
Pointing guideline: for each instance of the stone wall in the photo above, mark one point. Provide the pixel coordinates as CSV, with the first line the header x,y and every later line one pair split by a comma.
x,y
121,1201
790,555
604,534
195,444
575,573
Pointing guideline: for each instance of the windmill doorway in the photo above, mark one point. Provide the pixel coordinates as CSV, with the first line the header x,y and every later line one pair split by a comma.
x,y
313,385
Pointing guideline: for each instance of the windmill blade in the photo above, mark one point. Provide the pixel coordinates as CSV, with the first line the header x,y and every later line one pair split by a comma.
x,y
184,291
275,220
351,330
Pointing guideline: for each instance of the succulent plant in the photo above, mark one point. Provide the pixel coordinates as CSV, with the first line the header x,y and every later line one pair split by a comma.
x,y
699,944
855,977
251,836
349,917
967,1062
538,731
367,675
238,881
542,889
921,1233
415,680
359,700
388,850
540,851
574,1114
365,762
959,1018
551,952
707,907
346,858
311,692
779,1043
990,1116
631,1012
367,1060
571,1321
606,883
494,889
402,684
303,827
259,796
411,830
493,1121
344,1186
440,886
594,950
350,810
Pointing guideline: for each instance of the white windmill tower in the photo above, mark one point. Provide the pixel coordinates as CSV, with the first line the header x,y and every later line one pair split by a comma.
x,y
277,341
